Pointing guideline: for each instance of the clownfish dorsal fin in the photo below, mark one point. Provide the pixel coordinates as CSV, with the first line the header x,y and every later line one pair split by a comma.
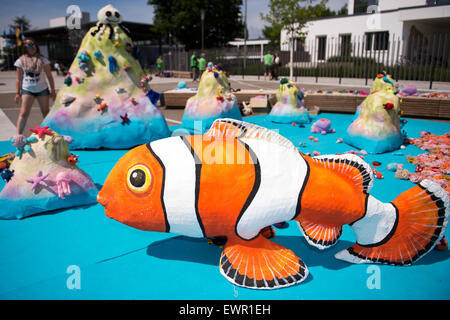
x,y
231,128
341,163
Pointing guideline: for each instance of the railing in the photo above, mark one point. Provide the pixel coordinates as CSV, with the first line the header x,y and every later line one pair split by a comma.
x,y
420,58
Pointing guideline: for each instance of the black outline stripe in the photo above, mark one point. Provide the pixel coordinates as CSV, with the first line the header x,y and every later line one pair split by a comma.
x,y
366,201
254,190
389,235
300,195
162,184
198,170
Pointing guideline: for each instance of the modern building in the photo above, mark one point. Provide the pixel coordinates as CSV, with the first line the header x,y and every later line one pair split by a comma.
x,y
61,21
255,48
386,30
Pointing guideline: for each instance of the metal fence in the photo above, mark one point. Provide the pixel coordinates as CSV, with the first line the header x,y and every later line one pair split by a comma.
x,y
420,58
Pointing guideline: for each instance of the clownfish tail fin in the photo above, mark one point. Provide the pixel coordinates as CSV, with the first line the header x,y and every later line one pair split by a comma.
x,y
261,264
403,231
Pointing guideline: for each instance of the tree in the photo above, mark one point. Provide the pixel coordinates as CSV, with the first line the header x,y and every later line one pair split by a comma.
x,y
272,32
342,11
21,21
180,19
292,16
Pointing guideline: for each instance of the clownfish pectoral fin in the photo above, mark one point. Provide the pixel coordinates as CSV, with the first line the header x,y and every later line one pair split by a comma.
x,y
261,264
403,231
318,235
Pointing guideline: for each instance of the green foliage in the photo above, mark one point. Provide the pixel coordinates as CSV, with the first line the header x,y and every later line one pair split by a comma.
x,y
272,32
9,56
181,20
292,15
21,21
288,14
342,11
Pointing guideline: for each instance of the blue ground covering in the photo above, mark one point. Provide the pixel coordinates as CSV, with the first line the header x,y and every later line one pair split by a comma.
x,y
119,262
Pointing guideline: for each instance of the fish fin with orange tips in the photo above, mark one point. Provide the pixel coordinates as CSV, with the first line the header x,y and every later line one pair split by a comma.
x,y
261,264
410,227
231,128
319,235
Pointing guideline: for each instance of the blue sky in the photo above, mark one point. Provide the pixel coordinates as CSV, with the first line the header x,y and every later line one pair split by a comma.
x,y
41,11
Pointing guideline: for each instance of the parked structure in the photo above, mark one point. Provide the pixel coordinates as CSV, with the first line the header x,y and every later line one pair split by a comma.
x,y
378,24
255,48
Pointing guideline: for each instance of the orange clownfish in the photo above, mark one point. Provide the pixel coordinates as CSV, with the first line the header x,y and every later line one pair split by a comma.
x,y
102,107
72,159
239,178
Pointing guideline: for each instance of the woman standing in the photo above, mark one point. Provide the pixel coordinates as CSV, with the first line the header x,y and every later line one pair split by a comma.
x,y
276,66
31,84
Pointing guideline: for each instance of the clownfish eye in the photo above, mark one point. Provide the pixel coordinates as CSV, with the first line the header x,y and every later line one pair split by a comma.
x,y
117,14
108,13
139,179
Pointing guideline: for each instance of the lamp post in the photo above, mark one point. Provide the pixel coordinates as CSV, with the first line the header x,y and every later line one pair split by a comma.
x,y
202,15
245,38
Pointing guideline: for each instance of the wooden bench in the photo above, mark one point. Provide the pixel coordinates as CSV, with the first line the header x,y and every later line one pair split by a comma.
x,y
178,98
180,74
422,107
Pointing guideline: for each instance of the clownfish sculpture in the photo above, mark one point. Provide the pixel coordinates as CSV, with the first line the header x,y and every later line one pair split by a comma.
x,y
239,178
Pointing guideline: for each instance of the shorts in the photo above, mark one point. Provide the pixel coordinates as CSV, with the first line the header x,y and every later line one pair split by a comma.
x,y
44,92
267,69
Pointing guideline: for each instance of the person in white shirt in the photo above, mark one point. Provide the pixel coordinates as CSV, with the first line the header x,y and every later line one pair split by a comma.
x,y
31,83
276,65
57,68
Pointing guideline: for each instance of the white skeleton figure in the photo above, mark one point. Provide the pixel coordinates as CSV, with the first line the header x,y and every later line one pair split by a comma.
x,y
109,17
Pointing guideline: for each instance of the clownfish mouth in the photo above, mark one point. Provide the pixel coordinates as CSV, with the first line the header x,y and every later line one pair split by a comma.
x,y
102,200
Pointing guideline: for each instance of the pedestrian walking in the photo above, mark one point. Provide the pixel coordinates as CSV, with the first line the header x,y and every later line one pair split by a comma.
x,y
194,66
268,61
160,65
202,64
30,82
276,66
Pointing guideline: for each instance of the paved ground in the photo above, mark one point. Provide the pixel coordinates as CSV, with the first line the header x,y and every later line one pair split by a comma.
x,y
9,110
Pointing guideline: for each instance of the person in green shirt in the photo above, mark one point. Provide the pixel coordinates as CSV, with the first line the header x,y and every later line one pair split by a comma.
x,y
160,65
202,64
194,66
268,61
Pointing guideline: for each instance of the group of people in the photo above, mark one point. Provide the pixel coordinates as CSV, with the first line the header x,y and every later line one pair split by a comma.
x,y
198,65
272,63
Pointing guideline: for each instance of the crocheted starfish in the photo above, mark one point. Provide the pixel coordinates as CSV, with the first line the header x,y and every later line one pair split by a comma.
x,y
41,131
37,180
125,119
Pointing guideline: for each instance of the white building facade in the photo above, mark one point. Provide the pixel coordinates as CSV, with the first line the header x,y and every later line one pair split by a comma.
x,y
382,29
